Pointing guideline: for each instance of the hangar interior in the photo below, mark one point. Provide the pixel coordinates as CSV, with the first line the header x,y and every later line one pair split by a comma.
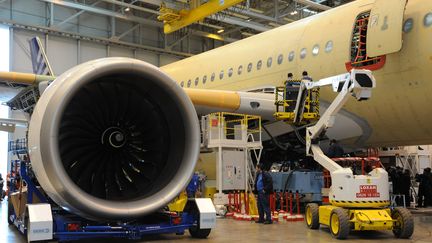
x,y
201,144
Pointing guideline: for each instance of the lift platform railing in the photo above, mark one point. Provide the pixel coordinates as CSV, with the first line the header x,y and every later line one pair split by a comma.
x,y
287,106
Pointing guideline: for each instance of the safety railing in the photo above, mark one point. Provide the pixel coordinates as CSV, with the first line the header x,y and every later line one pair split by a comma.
x,y
231,129
286,99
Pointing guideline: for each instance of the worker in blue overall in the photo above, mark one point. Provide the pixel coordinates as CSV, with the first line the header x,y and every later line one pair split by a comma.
x,y
193,186
263,187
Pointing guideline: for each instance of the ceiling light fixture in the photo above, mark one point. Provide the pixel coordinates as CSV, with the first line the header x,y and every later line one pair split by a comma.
x,y
220,31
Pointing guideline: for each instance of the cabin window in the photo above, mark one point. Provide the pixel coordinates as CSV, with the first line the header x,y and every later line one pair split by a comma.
x,y
204,79
213,76
280,59
315,50
359,57
329,46
303,53
408,25
428,20
196,81
189,83
182,83
249,68
221,74
269,62
291,56
240,70
230,72
259,65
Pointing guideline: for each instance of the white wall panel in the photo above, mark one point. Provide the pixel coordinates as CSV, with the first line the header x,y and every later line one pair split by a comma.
x,y
62,53
116,51
164,60
20,50
149,57
91,51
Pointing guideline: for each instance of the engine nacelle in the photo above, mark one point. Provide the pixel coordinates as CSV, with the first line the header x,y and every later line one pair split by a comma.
x,y
113,138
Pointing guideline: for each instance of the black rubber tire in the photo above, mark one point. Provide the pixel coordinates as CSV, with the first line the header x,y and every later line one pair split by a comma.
x,y
344,224
314,213
404,226
10,211
195,232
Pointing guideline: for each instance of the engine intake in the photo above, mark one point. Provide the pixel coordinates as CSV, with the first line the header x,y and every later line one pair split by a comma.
x,y
113,138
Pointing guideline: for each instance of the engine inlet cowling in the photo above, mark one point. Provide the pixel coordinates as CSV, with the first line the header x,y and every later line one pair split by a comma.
x,y
113,138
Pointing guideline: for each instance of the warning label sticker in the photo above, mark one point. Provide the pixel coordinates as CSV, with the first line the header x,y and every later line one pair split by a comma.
x,y
368,191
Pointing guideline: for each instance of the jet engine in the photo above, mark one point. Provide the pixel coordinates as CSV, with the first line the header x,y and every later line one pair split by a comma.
x,y
113,139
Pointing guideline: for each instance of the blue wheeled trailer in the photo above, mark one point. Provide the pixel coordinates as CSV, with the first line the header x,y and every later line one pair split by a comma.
x,y
37,217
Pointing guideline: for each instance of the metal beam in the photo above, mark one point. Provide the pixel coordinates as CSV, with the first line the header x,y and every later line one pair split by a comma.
x,y
74,16
131,6
102,11
126,32
313,5
170,46
214,36
240,22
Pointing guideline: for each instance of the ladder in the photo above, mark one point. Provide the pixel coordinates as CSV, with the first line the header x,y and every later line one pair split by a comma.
x,y
252,152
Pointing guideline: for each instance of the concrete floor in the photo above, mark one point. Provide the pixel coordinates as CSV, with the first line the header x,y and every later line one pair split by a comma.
x,y
229,230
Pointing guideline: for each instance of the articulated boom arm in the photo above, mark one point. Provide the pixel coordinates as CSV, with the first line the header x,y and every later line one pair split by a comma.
x,y
357,83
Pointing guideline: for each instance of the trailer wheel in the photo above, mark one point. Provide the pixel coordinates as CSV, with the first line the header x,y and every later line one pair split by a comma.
x,y
404,225
196,232
339,223
10,211
312,216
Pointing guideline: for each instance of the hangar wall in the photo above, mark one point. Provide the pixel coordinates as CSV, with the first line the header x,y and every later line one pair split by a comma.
x,y
65,53
36,15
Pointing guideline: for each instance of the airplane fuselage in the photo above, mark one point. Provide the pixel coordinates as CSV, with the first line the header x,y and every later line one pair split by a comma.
x,y
322,44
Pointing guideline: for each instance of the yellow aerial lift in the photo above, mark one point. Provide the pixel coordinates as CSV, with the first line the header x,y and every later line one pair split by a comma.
x,y
357,202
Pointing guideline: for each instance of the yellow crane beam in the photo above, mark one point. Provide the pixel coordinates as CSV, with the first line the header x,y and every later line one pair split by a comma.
x,y
174,21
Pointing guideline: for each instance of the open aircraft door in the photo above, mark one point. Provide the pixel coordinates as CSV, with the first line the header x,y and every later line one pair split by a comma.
x,y
385,27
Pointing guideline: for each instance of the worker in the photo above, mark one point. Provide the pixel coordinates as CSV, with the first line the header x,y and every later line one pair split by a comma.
x,y
263,187
425,188
306,76
2,194
291,92
193,185
335,150
290,77
405,182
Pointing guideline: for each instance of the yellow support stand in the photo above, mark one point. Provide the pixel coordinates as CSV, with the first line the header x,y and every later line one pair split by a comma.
x,y
253,210
178,204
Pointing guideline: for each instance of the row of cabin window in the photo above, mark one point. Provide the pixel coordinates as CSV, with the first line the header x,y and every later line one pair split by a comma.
x,y
291,56
408,26
409,23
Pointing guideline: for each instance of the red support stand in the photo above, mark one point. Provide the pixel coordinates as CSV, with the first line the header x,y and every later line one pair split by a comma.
x,y
299,216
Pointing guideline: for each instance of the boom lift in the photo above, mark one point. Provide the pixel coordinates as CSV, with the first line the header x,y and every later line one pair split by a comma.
x,y
357,202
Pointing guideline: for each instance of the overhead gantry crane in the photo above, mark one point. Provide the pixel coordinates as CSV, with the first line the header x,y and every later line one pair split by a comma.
x,y
177,19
